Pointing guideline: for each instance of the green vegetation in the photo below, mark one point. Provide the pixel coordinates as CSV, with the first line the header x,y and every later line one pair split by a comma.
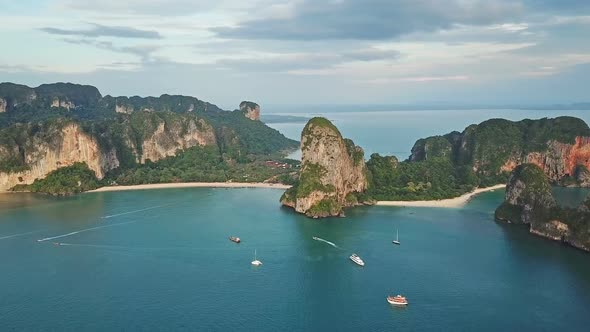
x,y
310,180
64,181
456,163
325,207
320,123
434,178
236,149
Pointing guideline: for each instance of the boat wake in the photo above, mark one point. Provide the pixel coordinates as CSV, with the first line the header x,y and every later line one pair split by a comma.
x,y
326,241
17,235
89,229
135,211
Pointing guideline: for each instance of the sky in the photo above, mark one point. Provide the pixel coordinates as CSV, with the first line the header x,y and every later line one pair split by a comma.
x,y
305,52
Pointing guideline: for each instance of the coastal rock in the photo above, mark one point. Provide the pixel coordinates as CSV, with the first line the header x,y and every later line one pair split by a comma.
x,y
251,110
333,172
529,201
66,145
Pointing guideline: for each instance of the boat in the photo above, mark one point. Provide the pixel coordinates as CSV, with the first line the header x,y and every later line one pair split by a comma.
x,y
316,238
355,258
396,241
397,300
234,239
256,262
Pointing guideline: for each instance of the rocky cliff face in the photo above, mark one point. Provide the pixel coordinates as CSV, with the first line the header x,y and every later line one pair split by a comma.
x,y
167,139
65,145
251,110
529,201
333,172
558,161
496,147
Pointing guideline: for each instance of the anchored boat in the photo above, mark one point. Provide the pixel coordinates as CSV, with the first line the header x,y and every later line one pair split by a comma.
x,y
234,239
396,241
397,300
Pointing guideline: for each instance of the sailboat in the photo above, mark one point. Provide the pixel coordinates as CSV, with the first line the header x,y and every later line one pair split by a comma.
x,y
256,262
396,241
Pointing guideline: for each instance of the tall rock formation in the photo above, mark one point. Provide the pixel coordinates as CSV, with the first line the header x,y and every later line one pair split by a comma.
x,y
496,147
333,172
46,149
251,110
38,137
529,201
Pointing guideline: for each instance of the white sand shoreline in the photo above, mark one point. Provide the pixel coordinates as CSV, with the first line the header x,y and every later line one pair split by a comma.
x,y
193,185
456,202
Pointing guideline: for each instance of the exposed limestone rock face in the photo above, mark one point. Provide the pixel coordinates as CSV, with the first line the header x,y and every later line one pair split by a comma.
x,y
333,172
3,105
560,160
529,201
166,140
528,194
251,110
57,102
123,109
68,146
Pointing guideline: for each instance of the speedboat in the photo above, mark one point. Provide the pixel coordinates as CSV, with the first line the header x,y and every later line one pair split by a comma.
x,y
397,300
234,239
256,262
355,258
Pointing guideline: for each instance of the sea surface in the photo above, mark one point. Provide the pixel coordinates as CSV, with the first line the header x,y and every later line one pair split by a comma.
x,y
158,260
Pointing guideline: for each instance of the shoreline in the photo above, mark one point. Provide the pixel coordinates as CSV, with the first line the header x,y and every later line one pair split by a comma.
x,y
456,202
192,185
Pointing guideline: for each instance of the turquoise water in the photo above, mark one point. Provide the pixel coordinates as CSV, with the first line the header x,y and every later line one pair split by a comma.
x,y
161,260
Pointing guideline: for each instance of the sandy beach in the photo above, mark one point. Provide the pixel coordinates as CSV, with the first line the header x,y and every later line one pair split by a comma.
x,y
194,185
456,202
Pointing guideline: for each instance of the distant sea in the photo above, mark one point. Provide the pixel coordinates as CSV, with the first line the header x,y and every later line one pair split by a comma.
x,y
395,132
160,260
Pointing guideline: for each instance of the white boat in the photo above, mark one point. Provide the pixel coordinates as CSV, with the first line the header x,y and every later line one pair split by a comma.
x,y
256,262
355,258
397,300
396,241
316,238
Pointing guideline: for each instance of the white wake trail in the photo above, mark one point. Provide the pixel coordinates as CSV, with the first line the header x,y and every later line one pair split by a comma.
x,y
17,235
135,211
326,241
89,229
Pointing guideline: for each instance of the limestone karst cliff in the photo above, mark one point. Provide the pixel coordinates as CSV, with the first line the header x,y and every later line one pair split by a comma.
x,y
333,172
47,148
495,147
57,125
529,201
251,110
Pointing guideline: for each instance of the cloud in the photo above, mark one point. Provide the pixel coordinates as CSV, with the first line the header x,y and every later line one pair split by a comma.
x,y
303,61
371,19
98,30
143,51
